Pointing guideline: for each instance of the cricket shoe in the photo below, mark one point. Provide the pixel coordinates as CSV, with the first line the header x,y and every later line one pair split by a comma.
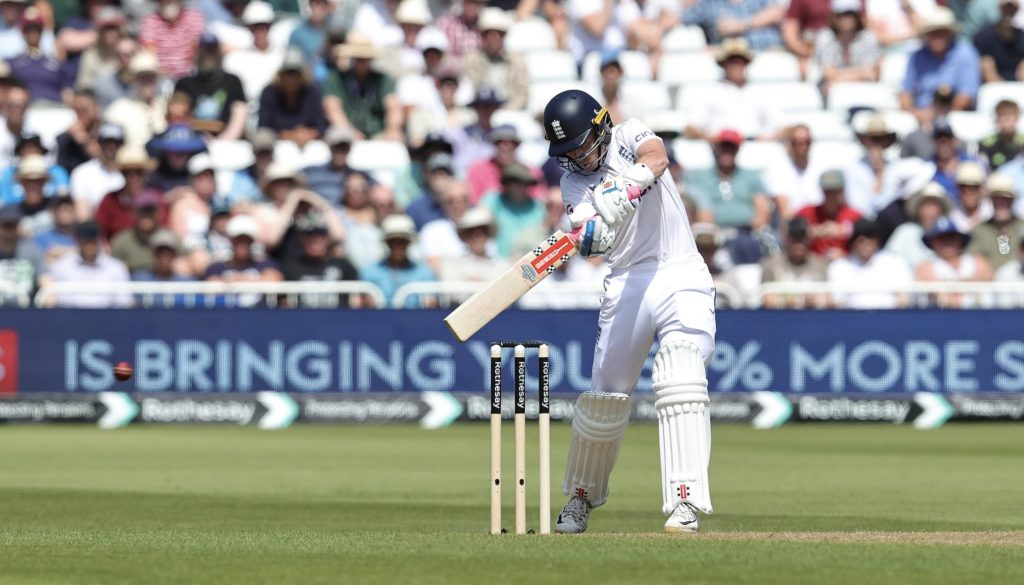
x,y
574,516
683,519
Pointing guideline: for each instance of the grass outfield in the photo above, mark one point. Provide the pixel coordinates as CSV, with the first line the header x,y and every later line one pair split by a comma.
x,y
395,505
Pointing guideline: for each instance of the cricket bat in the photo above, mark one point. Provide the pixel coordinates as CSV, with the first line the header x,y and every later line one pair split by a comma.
x,y
481,308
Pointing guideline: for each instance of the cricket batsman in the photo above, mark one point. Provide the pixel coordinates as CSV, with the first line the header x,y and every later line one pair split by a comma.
x,y
658,288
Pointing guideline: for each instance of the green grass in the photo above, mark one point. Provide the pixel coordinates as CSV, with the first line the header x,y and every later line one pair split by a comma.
x,y
365,505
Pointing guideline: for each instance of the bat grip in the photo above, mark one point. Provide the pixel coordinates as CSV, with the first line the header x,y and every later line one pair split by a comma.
x,y
588,212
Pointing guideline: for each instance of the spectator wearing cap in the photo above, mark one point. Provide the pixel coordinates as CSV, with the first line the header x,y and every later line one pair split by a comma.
x,y
13,113
361,98
924,209
173,32
116,211
257,65
142,113
93,179
952,262
796,263
55,178
95,41
861,279
439,238
972,208
133,246
1001,46
949,156
920,142
89,264
427,206
878,184
174,148
47,78
943,60
460,25
756,21
996,239
398,232
78,143
830,223
12,39
611,85
846,50
168,266
218,100
513,209
470,143
116,83
478,261
728,100
795,184
21,261
310,36
804,22
412,180
1001,147
327,180
484,176
292,105
244,266
728,195
317,259
492,65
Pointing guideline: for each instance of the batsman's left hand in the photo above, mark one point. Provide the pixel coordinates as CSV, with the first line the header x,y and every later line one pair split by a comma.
x,y
611,199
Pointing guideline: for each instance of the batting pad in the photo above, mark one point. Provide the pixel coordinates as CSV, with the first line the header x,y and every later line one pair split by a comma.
x,y
684,424
598,424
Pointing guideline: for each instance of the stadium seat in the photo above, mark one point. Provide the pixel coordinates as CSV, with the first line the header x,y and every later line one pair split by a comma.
x,y
644,96
971,127
761,155
683,68
550,66
534,34
533,153
378,155
786,97
315,153
230,155
281,31
844,96
543,91
824,125
693,154
525,124
48,121
773,66
288,153
666,121
894,69
683,39
635,65
991,94
835,154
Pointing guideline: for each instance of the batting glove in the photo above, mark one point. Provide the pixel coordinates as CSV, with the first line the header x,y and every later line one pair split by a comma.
x,y
596,237
611,199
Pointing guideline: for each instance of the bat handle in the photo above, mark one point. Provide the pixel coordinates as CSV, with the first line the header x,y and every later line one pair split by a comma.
x,y
634,192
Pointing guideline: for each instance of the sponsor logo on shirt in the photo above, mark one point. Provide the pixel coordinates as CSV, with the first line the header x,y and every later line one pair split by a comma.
x,y
626,154
643,135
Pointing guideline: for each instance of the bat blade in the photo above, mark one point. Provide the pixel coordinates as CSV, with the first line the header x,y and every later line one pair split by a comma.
x,y
481,308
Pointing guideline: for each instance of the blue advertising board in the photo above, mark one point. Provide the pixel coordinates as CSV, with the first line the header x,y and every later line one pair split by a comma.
x,y
223,350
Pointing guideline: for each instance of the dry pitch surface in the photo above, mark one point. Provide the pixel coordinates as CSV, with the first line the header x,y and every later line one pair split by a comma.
x,y
811,504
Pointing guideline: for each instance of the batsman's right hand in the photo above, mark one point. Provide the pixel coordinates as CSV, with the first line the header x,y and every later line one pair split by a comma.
x,y
611,199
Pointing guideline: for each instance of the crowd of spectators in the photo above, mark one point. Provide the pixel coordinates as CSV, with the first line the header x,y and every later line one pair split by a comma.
x,y
214,140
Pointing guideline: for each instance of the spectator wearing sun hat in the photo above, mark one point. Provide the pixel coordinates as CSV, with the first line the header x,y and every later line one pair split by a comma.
x,y
479,261
142,113
924,209
30,145
116,210
257,65
996,239
173,149
953,262
397,268
361,98
943,60
31,176
493,65
972,208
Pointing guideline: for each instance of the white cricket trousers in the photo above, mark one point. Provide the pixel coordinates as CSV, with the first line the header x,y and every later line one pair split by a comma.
x,y
665,300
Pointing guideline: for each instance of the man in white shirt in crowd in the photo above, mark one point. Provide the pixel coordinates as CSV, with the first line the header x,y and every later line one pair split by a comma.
x,y
92,180
794,185
864,278
256,65
89,264
439,238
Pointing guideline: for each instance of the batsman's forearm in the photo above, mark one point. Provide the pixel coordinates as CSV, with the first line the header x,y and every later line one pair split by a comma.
x,y
656,160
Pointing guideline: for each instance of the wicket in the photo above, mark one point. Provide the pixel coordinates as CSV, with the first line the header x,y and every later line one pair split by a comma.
x,y
544,424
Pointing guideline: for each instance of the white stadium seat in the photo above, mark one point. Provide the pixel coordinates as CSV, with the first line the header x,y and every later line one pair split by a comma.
x,y
773,66
683,68
786,97
635,65
991,94
693,154
525,124
824,125
761,155
281,31
844,96
550,66
381,158
534,34
644,96
682,39
230,155
835,154
542,92
665,121
894,69
533,153
48,121
901,122
971,127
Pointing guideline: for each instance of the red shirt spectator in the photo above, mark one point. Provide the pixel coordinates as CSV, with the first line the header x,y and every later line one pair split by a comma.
x,y
173,32
116,210
803,20
831,223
